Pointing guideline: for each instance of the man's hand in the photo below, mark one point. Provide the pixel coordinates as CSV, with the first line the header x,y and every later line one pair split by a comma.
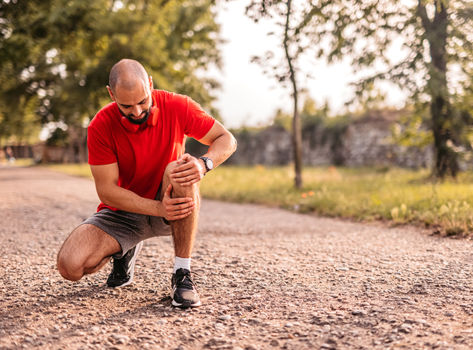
x,y
189,170
176,208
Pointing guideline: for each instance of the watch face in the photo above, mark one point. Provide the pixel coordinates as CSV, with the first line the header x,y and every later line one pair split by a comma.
x,y
209,163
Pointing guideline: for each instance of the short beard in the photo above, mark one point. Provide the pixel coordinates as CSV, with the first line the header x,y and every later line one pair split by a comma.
x,y
136,121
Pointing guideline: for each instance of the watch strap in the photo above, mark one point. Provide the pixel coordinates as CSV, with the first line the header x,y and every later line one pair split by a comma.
x,y
205,163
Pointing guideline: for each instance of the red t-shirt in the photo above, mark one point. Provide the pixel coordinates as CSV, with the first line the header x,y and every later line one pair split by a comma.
x,y
143,151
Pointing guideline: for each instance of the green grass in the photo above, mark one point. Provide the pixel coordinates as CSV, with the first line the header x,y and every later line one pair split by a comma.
x,y
397,195
82,170
21,162
366,194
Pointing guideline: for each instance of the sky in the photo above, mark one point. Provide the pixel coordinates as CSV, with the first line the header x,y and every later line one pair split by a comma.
x,y
250,98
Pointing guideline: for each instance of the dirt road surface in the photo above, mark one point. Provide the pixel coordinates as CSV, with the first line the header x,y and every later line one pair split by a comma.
x,y
269,279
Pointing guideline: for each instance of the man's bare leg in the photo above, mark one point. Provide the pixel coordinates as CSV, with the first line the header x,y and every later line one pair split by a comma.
x,y
184,230
85,251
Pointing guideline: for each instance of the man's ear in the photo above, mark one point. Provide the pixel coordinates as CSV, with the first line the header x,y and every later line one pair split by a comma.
x,y
150,83
110,92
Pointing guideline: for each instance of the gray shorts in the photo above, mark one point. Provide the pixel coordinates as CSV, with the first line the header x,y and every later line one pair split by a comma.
x,y
129,228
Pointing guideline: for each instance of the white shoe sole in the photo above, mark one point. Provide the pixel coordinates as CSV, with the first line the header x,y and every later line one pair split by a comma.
x,y
174,303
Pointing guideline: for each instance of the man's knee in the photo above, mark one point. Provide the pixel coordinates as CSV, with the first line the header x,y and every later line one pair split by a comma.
x,y
85,251
72,257
69,267
177,187
170,167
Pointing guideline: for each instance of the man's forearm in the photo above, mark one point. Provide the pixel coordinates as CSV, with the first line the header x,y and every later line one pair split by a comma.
x,y
123,199
221,149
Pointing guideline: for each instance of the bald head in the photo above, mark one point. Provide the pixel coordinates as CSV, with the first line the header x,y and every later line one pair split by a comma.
x,y
127,74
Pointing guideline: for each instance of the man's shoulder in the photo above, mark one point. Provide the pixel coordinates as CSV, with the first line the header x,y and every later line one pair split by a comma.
x,y
167,99
104,116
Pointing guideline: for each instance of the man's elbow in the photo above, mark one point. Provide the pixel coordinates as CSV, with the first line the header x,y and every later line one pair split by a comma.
x,y
104,199
104,196
233,144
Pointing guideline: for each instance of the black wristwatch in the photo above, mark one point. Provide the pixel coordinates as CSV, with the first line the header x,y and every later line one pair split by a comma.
x,y
209,164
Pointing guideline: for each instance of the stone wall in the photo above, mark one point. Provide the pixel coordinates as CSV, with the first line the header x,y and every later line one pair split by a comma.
x,y
271,146
362,142
367,142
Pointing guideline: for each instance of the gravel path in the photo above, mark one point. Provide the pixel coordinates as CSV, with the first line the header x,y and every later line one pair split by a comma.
x,y
269,279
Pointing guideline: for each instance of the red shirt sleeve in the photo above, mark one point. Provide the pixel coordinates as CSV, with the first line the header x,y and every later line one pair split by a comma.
x,y
100,148
195,122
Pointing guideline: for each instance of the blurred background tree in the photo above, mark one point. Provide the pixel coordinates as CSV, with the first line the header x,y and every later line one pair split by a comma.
x,y
289,17
432,37
56,55
435,40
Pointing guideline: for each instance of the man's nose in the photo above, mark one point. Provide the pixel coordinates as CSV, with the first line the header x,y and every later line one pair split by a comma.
x,y
136,111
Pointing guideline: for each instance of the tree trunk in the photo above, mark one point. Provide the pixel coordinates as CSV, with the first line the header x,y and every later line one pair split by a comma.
x,y
296,123
446,159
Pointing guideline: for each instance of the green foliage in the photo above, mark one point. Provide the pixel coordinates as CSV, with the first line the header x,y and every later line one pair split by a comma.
x,y
57,138
369,99
56,54
311,116
411,130
283,120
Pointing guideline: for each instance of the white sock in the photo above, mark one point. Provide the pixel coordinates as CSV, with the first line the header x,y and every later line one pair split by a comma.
x,y
182,263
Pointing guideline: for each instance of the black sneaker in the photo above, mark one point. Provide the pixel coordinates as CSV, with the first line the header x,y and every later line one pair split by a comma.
x,y
183,293
124,268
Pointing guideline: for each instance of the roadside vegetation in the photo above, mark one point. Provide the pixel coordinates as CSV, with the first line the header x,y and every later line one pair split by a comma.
x,y
398,196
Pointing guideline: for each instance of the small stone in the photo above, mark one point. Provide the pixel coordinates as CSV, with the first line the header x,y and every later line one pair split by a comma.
x,y
274,342
342,268
389,339
219,326
254,320
358,313
225,317
120,338
405,328
28,339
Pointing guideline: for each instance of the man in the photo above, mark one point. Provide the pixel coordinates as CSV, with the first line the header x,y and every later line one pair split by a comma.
x,y
147,185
